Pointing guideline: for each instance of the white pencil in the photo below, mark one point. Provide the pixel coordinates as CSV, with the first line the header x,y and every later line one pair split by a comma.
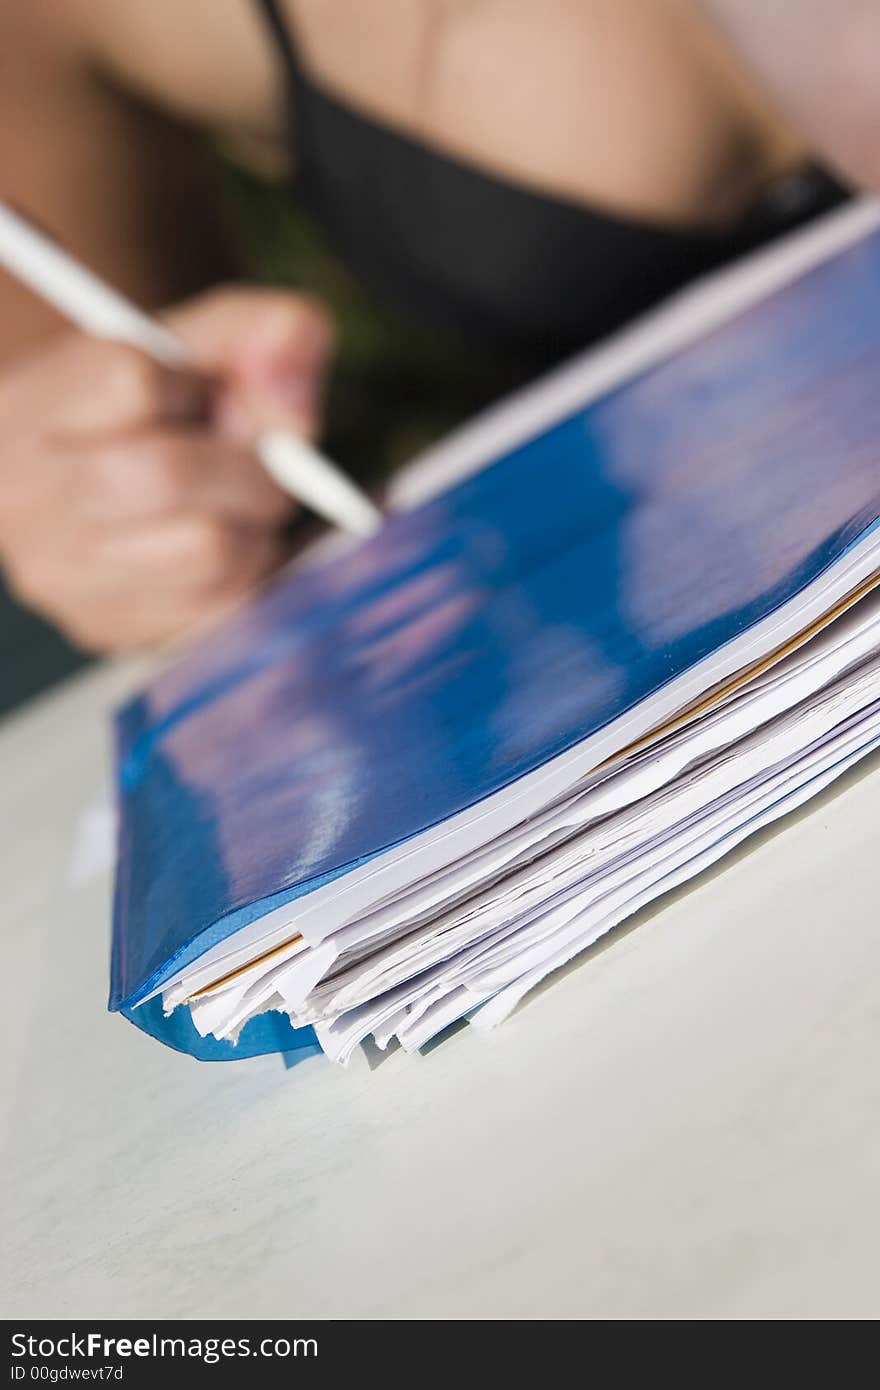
x,y
82,297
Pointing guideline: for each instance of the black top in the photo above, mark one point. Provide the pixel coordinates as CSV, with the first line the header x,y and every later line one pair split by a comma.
x,y
532,276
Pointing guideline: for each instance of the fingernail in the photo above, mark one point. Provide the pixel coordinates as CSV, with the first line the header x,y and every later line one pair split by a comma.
x,y
296,391
291,342
233,417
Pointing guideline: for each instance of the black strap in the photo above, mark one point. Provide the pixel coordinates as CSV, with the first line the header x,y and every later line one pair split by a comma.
x,y
282,33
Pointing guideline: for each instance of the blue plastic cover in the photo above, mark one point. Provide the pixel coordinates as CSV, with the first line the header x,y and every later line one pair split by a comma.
x,y
478,636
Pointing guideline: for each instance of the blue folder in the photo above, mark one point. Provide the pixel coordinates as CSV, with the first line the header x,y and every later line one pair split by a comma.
x,y
361,702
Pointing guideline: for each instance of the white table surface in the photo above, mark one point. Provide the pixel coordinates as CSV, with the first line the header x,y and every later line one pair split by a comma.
x,y
685,1125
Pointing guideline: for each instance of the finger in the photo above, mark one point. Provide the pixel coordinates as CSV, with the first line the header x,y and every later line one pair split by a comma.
x,y
145,583
270,348
169,472
239,327
193,557
84,385
214,569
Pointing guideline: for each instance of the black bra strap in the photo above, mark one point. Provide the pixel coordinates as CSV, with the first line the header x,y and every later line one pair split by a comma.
x,y
283,35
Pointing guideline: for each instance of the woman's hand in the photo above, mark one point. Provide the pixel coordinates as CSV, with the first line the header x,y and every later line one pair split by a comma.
x,y
132,505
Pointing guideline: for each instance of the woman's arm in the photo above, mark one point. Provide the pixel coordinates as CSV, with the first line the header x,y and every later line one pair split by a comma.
x,y
821,59
107,158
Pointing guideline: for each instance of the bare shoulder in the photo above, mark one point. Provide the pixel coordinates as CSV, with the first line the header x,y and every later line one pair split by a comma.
x,y
207,61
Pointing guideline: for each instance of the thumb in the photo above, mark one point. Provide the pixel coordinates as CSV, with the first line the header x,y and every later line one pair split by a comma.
x,y
268,349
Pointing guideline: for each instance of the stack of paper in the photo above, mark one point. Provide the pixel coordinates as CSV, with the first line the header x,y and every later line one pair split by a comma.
x,y
412,781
